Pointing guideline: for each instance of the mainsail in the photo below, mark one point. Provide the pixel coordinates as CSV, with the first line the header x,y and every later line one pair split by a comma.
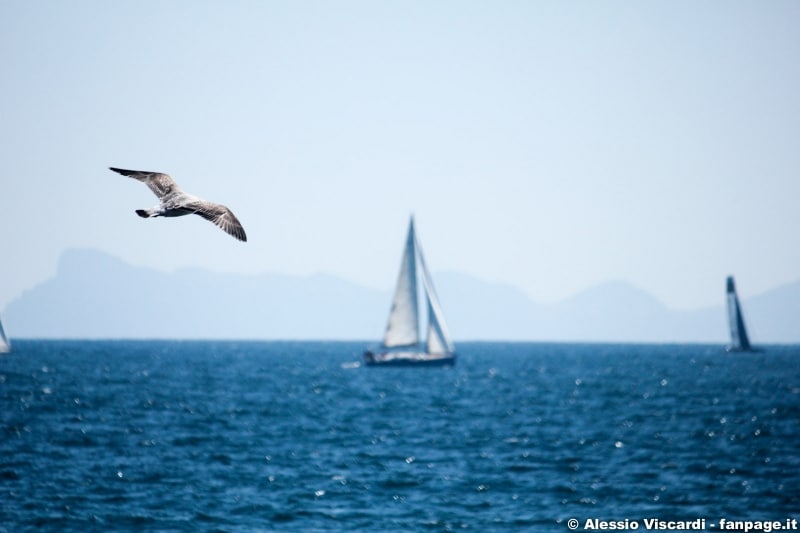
x,y
739,340
5,346
403,326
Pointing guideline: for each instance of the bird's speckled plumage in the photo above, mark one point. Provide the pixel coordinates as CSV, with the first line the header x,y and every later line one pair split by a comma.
x,y
174,202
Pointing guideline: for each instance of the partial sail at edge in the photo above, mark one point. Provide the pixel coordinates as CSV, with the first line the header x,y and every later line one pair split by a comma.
x,y
5,346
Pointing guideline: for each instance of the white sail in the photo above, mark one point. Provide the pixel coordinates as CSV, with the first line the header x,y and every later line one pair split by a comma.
x,y
438,342
401,343
5,346
403,326
739,340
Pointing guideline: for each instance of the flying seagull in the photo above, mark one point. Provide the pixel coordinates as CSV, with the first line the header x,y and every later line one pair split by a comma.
x,y
176,203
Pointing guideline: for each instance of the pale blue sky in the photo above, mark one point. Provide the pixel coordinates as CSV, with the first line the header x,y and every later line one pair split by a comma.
x,y
548,145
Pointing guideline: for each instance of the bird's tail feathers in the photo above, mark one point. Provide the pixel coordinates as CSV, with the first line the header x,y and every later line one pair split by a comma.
x,y
142,213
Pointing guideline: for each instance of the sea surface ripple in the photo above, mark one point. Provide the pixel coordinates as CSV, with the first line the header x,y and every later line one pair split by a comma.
x,y
296,436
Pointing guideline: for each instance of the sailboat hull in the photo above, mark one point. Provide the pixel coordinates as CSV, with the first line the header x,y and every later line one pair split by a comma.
x,y
739,349
408,359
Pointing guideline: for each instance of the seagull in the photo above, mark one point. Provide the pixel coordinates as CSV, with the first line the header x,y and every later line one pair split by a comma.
x,y
176,203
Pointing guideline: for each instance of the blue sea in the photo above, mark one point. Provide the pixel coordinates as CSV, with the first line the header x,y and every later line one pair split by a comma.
x,y
296,436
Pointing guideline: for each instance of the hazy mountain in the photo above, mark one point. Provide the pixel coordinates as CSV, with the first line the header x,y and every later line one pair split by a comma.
x,y
610,312
94,295
774,315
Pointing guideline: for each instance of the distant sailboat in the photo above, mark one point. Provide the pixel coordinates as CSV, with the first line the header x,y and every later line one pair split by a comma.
x,y
5,346
739,340
401,342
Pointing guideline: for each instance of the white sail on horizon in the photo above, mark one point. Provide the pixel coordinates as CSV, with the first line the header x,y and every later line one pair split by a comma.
x,y
402,329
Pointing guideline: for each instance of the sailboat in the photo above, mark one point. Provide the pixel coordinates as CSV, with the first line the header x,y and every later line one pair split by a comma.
x,y
401,343
739,340
5,346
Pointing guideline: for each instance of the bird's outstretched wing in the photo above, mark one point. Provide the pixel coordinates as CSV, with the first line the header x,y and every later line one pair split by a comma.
x,y
161,184
219,215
